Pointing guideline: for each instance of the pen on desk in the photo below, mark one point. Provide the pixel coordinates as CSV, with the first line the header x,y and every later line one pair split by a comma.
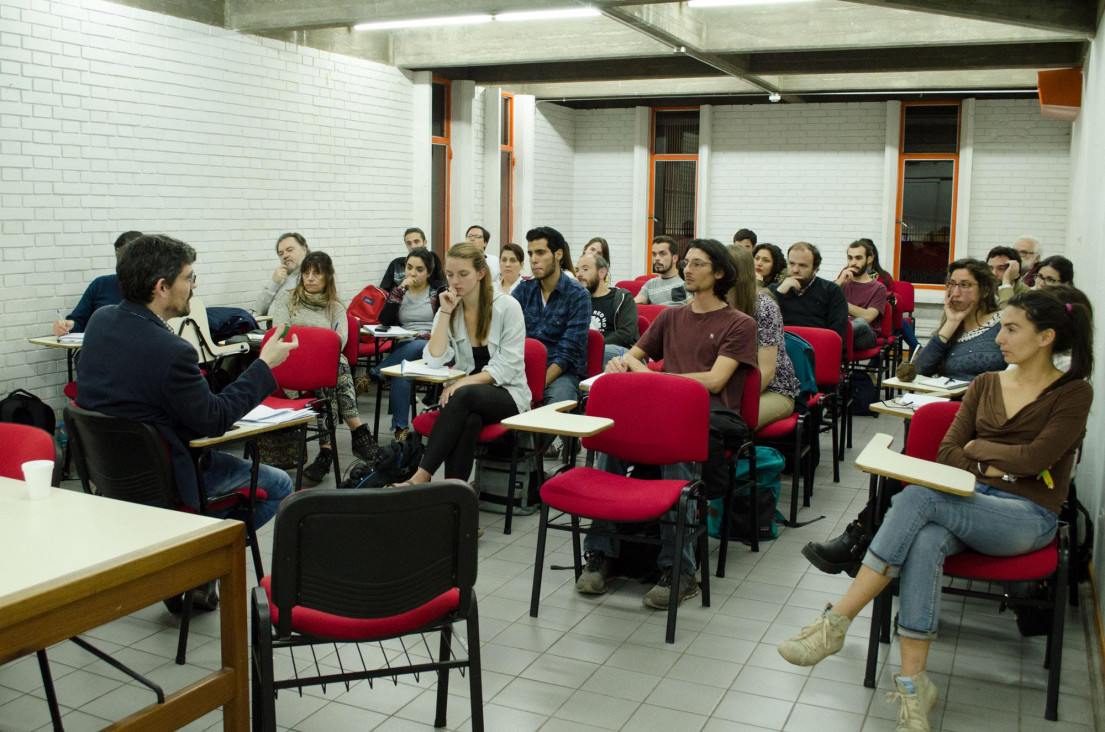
x,y
402,367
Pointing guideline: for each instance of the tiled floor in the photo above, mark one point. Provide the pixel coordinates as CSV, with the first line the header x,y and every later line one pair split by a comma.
x,y
601,663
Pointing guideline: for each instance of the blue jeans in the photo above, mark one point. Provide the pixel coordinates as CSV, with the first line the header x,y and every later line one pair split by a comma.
x,y
609,352
863,337
610,546
226,474
400,400
923,526
565,386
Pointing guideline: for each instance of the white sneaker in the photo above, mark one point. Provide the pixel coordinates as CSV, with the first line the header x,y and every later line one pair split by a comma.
x,y
823,638
916,707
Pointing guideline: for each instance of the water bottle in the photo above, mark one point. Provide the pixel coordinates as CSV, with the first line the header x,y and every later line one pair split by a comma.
x,y
63,437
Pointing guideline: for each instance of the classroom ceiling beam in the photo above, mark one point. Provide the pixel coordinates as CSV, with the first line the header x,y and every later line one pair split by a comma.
x,y
260,16
1071,16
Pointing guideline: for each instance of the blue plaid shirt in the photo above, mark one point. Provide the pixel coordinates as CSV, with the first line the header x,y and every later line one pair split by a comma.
x,y
561,323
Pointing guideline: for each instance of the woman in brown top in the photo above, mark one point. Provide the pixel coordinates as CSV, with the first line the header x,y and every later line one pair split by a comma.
x,y
1017,431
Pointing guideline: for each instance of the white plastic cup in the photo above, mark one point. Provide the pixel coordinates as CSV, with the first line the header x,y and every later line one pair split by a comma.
x,y
37,474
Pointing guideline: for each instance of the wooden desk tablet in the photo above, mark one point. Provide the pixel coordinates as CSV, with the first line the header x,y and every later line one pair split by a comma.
x,y
552,420
890,407
76,561
70,350
247,431
397,373
879,459
896,383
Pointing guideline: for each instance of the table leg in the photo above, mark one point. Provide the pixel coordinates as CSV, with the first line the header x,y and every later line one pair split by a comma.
x,y
235,642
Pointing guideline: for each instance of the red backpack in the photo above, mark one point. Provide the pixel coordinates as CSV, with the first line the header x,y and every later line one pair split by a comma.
x,y
368,304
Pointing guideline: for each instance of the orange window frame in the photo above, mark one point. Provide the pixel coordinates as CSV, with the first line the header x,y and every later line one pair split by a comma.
x,y
446,141
508,235
653,158
902,159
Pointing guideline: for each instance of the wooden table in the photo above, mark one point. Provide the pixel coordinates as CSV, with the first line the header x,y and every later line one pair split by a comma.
x,y
396,372
921,387
76,561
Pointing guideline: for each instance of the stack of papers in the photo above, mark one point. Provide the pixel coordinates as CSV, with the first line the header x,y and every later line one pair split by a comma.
x,y
588,383
267,415
72,338
941,382
394,331
419,368
919,400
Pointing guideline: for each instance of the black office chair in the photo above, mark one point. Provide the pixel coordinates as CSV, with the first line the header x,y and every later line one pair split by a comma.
x,y
367,566
129,461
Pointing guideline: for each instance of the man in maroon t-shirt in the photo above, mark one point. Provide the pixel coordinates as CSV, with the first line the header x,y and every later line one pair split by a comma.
x,y
866,296
710,342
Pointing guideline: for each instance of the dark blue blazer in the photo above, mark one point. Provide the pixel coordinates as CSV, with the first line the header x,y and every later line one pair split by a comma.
x,y
133,367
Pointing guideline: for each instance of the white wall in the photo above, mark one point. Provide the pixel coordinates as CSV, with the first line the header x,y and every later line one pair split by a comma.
x,y
113,118
553,146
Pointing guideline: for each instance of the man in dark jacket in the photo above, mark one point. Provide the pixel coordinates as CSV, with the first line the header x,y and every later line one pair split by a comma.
x,y
613,311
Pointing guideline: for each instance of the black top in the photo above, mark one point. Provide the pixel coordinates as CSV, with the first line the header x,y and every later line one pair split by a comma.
x,y
481,355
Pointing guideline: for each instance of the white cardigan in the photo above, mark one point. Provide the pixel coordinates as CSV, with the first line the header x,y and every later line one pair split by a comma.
x,y
506,343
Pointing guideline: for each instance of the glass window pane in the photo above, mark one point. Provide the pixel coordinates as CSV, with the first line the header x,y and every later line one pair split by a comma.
x,y
506,196
673,202
676,133
506,121
931,128
438,109
438,196
928,188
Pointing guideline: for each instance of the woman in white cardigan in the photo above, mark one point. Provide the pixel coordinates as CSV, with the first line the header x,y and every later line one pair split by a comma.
x,y
483,332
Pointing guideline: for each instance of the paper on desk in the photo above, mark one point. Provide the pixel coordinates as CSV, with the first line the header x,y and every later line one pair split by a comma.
x,y
419,368
919,400
588,383
394,330
267,415
941,382
74,338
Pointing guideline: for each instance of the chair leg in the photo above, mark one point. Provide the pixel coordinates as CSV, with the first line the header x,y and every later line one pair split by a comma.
x,y
51,693
794,495
443,676
1055,637
254,546
877,609
704,549
538,562
331,427
261,676
754,496
185,620
676,567
475,666
577,550
510,483
726,508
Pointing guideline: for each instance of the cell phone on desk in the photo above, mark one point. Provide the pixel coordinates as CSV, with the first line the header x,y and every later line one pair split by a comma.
x,y
383,328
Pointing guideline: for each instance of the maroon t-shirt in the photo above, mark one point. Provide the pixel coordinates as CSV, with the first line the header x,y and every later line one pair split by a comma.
x,y
867,295
690,342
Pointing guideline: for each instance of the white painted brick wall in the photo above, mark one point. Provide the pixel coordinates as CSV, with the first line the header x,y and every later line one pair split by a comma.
x,y
554,143
809,172
603,185
1020,178
113,118
490,220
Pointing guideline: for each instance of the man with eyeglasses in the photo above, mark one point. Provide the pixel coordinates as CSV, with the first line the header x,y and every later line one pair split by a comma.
x,y
1031,252
1005,263
807,300
481,237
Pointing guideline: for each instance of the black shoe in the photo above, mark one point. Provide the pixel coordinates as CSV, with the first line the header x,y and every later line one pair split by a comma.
x,y
174,604
205,598
364,447
842,554
316,471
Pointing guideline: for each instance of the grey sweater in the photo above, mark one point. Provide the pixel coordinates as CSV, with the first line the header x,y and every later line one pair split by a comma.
x,y
329,317
969,355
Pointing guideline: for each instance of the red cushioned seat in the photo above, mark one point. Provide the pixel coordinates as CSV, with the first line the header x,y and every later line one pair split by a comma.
x,y
1035,565
424,422
70,390
597,494
316,622
777,429
657,366
866,353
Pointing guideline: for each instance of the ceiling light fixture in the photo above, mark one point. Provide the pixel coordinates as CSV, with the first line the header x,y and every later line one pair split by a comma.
x,y
774,97
548,14
425,22
733,3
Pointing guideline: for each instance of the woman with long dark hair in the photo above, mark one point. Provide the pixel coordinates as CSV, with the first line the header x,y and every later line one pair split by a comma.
x,y
771,263
1017,431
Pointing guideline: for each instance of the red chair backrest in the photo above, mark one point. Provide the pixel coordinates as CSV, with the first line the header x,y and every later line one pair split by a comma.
x,y
886,326
311,366
903,302
535,356
596,348
22,444
633,286
849,350
750,398
645,278
650,312
352,340
926,431
684,404
826,351
642,324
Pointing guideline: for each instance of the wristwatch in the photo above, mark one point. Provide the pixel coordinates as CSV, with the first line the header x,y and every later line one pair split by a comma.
x,y
1009,478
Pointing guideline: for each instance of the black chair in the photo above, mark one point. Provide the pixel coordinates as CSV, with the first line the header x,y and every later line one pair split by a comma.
x,y
129,461
365,567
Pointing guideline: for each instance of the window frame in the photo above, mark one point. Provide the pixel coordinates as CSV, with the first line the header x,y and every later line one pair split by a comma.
x,y
506,208
653,158
441,245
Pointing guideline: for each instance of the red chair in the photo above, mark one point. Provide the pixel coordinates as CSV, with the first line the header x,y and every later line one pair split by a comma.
x,y
650,312
1051,564
347,568
793,434
857,361
642,324
633,286
535,377
596,349
827,372
645,277
596,494
904,303
311,366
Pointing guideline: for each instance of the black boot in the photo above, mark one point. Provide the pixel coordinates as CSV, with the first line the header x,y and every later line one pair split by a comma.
x,y
316,471
364,447
842,554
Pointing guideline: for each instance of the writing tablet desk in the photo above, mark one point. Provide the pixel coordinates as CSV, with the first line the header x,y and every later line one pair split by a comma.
x,y
552,419
249,432
397,372
77,561
896,383
70,350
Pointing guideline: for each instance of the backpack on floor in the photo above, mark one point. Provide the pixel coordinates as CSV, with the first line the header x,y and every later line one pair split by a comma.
x,y
392,463
23,407
769,464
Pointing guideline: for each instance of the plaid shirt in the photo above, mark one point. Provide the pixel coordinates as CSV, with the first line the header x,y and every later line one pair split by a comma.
x,y
561,323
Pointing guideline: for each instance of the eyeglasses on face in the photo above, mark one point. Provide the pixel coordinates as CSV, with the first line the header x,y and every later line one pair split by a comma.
x,y
694,264
1048,280
1024,253
964,286
192,278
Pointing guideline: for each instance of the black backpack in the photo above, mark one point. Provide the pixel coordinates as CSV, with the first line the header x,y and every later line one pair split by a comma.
x,y
392,463
23,407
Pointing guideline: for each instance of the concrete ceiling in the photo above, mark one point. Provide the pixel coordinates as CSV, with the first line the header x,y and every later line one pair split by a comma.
x,y
663,49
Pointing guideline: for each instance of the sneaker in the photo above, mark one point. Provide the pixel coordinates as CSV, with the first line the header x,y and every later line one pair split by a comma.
x,y
917,704
823,638
842,554
659,596
595,573
174,604
364,447
316,471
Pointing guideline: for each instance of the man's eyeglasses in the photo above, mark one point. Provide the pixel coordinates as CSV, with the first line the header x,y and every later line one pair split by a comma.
x,y
192,278
964,286
693,264
1025,254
